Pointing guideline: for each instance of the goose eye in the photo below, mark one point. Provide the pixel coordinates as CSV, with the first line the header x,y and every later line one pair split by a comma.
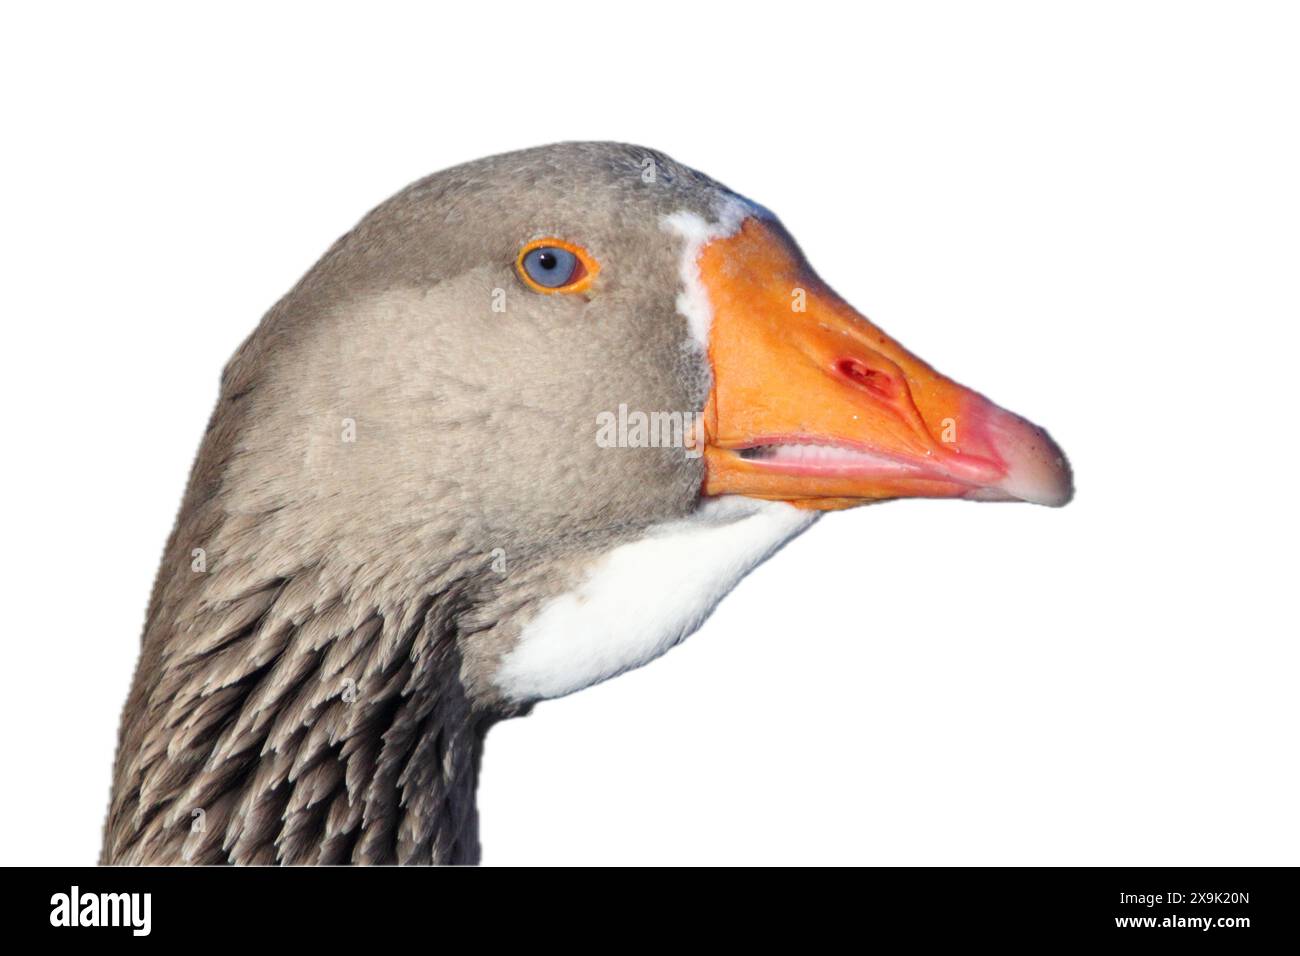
x,y
550,265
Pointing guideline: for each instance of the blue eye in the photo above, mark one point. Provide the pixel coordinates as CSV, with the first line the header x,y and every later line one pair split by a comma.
x,y
551,267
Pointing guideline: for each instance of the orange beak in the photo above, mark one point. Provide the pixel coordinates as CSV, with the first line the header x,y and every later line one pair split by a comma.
x,y
814,405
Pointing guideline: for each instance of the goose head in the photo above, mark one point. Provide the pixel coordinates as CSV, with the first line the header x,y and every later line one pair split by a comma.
x,y
517,432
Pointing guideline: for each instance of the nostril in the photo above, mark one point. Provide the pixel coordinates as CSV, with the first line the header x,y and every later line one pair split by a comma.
x,y
876,382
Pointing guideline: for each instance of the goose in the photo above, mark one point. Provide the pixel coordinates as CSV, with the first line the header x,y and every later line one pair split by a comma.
x,y
516,433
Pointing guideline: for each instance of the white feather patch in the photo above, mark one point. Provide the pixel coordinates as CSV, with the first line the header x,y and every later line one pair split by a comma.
x,y
693,300
643,597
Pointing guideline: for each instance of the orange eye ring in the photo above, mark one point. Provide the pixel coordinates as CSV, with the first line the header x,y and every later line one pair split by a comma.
x,y
586,269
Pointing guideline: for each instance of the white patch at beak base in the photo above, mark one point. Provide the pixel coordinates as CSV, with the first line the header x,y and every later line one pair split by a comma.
x,y
693,300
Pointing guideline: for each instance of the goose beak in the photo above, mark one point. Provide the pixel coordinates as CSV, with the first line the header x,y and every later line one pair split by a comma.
x,y
812,404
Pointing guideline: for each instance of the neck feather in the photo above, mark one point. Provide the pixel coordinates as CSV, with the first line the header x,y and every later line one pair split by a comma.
x,y
297,723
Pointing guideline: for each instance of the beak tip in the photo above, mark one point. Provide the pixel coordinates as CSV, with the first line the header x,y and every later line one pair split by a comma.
x,y
1035,468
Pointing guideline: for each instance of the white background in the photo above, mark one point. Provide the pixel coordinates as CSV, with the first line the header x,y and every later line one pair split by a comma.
x,y
1089,212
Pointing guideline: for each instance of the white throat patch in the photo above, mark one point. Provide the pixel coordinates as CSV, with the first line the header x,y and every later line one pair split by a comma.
x,y
643,597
